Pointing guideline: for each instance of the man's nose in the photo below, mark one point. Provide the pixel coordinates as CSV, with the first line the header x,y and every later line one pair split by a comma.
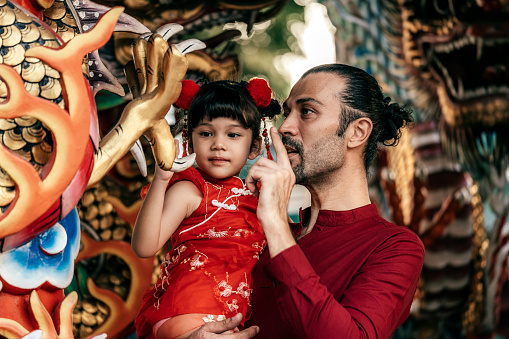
x,y
289,126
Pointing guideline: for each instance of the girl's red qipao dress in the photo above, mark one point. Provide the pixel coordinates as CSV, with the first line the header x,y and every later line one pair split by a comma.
x,y
214,251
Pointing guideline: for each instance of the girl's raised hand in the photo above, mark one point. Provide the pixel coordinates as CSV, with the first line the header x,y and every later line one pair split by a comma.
x,y
162,175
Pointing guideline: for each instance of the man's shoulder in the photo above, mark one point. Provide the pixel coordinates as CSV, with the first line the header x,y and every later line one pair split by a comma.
x,y
397,232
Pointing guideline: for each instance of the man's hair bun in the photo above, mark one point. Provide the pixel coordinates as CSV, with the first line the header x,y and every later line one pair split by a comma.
x,y
395,117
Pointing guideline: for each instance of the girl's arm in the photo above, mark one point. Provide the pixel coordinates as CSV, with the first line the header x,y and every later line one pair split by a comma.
x,y
162,212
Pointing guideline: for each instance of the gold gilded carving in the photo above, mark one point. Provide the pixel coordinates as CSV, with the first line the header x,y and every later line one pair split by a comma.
x,y
66,33
6,195
204,64
50,72
402,161
21,16
25,121
5,179
10,36
123,42
33,134
7,16
32,71
30,33
55,12
27,155
69,20
52,24
13,141
51,90
6,124
46,35
32,88
51,44
14,55
41,153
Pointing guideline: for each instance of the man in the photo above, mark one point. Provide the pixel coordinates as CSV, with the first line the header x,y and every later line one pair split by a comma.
x,y
343,272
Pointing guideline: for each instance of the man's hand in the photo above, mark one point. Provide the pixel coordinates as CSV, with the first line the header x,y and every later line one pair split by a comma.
x,y
222,330
277,181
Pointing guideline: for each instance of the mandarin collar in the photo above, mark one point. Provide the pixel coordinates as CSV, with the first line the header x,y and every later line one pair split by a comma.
x,y
338,218
226,182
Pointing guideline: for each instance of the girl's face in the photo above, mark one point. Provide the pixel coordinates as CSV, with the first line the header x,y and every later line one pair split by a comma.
x,y
222,146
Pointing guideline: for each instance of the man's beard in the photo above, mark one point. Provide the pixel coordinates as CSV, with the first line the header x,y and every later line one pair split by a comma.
x,y
321,159
298,169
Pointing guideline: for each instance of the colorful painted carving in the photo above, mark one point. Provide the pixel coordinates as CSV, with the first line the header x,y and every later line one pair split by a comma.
x,y
54,146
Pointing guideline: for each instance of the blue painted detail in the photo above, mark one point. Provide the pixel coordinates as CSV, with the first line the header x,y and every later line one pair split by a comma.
x,y
47,258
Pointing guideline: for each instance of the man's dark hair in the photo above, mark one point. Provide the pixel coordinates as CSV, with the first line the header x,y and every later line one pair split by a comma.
x,y
363,97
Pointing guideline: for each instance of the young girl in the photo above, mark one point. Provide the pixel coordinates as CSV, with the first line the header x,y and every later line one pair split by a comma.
x,y
208,214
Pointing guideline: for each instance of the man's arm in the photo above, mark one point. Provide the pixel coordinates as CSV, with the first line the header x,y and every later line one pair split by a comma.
x,y
375,303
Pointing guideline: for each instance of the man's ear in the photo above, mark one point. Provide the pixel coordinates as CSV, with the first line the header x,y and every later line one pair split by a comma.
x,y
255,148
360,130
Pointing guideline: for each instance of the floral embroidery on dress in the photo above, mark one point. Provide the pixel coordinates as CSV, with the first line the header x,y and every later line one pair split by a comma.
x,y
223,289
165,274
199,260
259,248
242,233
232,306
170,261
243,290
212,233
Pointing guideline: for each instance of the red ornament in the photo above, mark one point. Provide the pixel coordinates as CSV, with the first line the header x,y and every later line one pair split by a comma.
x,y
144,191
189,90
260,92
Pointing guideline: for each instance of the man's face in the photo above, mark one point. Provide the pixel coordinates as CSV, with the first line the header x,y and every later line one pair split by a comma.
x,y
310,129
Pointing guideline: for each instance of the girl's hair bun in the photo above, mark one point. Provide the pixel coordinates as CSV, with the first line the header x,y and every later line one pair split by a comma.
x,y
273,109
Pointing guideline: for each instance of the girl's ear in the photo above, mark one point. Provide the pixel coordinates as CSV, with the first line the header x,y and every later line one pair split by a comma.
x,y
255,148
189,146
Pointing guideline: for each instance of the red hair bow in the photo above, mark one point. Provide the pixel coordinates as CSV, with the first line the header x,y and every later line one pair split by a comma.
x,y
189,90
260,92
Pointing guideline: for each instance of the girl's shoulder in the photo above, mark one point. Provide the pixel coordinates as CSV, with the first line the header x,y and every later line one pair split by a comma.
x,y
191,174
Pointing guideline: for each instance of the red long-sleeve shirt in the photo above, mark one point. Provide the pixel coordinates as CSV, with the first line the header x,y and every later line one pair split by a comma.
x,y
353,276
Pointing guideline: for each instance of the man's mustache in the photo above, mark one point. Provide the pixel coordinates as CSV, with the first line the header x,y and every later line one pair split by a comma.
x,y
297,146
